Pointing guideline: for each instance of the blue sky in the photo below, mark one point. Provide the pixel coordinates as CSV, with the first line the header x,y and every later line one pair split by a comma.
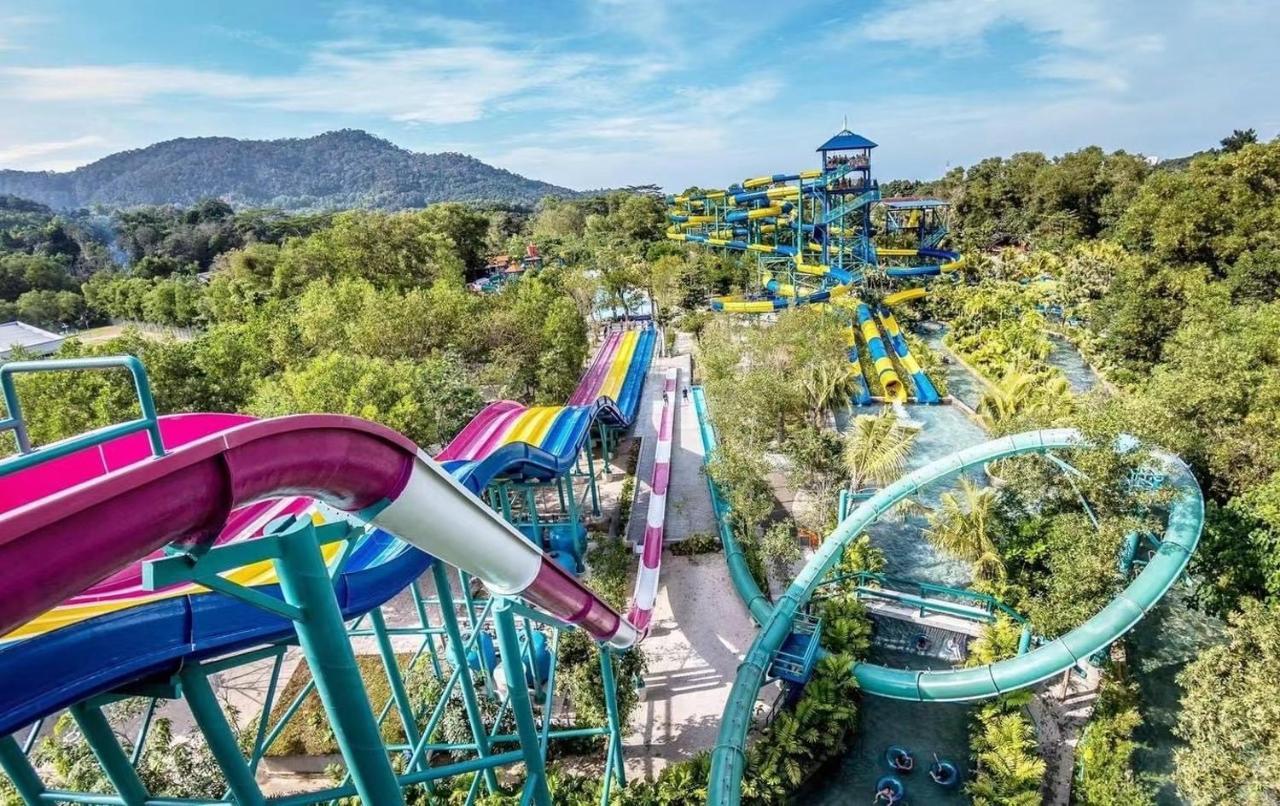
x,y
611,92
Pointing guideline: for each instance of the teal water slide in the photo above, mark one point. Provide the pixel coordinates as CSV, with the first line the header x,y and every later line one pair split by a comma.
x,y
1182,533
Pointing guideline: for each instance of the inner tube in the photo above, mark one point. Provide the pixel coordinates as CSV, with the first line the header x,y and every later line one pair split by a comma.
x,y
900,759
891,784
944,774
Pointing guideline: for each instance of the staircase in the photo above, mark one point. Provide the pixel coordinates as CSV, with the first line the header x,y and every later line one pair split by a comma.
x,y
1060,712
850,206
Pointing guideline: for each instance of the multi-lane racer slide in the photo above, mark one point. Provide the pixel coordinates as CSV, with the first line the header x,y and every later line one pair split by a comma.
x,y
75,530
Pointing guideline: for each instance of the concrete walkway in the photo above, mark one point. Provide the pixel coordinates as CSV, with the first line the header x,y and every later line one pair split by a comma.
x,y
700,628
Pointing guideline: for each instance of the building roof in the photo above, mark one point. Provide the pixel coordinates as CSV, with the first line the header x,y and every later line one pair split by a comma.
x,y
914,203
20,334
845,139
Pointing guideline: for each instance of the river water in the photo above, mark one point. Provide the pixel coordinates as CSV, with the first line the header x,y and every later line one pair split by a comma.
x,y
1171,634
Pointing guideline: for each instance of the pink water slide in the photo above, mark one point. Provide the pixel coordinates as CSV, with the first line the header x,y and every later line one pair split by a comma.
x,y
56,543
646,592
589,387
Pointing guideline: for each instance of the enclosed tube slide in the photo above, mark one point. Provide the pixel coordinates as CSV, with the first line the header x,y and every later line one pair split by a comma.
x,y
132,633
53,548
862,395
925,391
947,262
646,592
1181,534
889,381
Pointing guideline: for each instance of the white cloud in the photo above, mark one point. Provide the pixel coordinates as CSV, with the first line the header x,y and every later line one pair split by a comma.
x,y
448,84
23,154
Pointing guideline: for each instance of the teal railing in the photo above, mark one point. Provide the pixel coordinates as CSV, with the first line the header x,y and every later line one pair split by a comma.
x,y
28,456
928,596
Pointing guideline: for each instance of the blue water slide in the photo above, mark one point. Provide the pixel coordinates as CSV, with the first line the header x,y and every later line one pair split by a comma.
x,y
927,270
926,392
44,674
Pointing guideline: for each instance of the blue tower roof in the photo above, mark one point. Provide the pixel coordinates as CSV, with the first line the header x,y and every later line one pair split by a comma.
x,y
845,139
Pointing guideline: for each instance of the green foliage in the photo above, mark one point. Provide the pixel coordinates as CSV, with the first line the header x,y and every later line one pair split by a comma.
x,y
332,171
964,526
168,768
846,629
999,640
1080,573
696,543
799,741
1230,717
1030,199
1104,772
578,676
388,392
1009,771
779,547
876,450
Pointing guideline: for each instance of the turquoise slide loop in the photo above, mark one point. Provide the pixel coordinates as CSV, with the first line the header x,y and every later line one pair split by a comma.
x,y
1182,533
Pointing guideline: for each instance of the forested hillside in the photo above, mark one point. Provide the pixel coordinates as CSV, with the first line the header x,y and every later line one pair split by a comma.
x,y
332,171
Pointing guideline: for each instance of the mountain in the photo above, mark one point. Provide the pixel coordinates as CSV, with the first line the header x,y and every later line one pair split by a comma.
x,y
335,170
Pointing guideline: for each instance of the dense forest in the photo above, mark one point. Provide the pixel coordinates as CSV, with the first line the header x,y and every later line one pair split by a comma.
x,y
332,171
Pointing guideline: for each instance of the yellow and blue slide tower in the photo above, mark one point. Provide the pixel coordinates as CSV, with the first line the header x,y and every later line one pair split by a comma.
x,y
812,235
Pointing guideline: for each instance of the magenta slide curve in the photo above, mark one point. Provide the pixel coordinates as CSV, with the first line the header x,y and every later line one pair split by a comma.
x,y
59,545
646,592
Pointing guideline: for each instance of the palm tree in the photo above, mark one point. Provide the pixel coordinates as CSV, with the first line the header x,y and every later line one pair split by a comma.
x,y
876,450
827,385
1021,392
1009,771
961,527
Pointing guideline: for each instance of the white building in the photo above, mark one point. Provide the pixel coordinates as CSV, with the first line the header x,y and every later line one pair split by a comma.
x,y
29,337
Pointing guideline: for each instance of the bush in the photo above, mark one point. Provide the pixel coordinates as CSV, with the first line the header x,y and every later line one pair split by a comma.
x,y
1104,757
697,543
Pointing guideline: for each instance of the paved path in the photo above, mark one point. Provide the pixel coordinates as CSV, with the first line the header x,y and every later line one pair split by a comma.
x,y
700,628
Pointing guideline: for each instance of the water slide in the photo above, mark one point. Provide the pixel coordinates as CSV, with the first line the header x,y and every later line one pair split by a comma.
x,y
925,391
1184,522
889,380
542,441
646,591
862,395
947,261
71,591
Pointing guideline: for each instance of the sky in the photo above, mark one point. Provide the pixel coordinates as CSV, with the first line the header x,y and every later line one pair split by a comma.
x,y
605,93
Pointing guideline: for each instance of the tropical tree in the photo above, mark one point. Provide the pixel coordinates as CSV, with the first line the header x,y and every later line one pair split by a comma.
x,y
876,450
963,526
1020,392
1009,770
1230,716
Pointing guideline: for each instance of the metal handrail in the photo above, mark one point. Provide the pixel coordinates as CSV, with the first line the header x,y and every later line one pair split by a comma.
x,y
989,602
29,456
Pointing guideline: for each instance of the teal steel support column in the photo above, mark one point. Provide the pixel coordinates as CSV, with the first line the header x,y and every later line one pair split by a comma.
x,y
472,624
304,579
595,494
1024,640
459,659
24,777
521,709
102,741
394,678
531,503
425,621
611,709
218,735
505,500
564,507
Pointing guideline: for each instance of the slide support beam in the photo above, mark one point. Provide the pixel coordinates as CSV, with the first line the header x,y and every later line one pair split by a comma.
x,y
304,579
